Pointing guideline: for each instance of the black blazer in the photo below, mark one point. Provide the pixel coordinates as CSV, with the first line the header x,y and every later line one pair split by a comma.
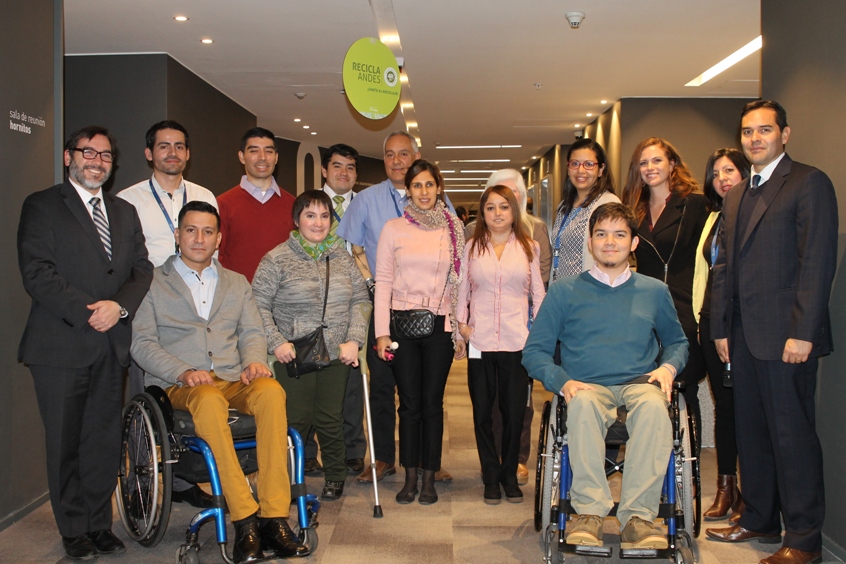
x,y
65,267
785,264
673,240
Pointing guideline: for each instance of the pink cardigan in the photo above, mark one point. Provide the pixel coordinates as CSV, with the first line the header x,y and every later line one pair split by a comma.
x,y
497,291
412,263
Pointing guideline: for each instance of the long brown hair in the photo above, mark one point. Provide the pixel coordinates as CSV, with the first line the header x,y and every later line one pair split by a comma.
x,y
636,193
604,182
482,234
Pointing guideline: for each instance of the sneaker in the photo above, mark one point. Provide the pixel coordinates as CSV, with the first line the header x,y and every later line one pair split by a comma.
x,y
493,495
585,530
642,534
522,475
512,493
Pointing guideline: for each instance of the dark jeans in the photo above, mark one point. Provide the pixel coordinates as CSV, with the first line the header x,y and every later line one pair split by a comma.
x,y
421,367
501,376
354,440
723,402
383,407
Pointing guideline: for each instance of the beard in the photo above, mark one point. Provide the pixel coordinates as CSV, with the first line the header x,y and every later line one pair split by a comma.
x,y
78,174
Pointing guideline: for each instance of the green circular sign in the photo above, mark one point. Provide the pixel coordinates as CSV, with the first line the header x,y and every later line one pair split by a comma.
x,y
371,78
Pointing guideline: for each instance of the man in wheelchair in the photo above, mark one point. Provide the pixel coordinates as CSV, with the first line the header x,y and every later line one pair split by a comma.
x,y
612,325
198,334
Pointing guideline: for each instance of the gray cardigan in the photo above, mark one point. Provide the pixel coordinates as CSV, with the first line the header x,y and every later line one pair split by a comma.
x,y
289,288
169,337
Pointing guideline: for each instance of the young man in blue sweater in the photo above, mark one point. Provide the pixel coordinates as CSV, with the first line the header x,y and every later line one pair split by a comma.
x,y
611,323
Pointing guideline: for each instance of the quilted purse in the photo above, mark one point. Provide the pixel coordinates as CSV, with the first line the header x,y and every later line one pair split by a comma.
x,y
412,323
312,354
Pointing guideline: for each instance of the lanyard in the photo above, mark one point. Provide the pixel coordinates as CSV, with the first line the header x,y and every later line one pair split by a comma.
x,y
715,245
396,207
564,223
164,211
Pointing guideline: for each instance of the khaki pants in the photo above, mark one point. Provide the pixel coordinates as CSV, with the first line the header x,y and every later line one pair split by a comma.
x,y
589,415
264,399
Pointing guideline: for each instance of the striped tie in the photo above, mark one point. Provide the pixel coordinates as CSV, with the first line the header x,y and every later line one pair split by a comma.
x,y
756,180
102,226
339,209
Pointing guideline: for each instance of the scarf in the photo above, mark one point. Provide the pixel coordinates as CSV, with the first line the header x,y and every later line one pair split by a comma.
x,y
437,218
313,250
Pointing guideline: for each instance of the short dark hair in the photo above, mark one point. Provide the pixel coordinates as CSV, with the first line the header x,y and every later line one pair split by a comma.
x,y
339,149
460,211
614,211
90,132
259,132
308,198
422,165
166,124
198,206
715,202
781,114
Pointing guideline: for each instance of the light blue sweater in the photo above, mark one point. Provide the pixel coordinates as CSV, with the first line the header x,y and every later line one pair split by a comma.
x,y
609,336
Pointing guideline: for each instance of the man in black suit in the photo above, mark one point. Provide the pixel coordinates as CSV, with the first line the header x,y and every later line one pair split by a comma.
x,y
83,261
770,318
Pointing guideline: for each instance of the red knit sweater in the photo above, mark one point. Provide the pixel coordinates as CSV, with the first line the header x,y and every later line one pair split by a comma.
x,y
250,229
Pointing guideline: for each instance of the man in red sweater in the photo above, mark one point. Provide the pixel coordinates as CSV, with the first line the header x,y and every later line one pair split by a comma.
x,y
255,216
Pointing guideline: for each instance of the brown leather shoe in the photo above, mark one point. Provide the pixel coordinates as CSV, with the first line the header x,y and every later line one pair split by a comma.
x,y
739,534
737,511
382,469
786,555
443,476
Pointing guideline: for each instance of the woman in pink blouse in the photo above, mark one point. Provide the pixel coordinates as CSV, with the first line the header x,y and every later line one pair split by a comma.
x,y
502,269
418,267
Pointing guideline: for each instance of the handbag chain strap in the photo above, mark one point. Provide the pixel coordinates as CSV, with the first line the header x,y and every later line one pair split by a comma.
x,y
325,295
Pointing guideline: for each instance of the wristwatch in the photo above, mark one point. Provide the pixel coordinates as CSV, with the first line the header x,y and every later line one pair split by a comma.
x,y
123,313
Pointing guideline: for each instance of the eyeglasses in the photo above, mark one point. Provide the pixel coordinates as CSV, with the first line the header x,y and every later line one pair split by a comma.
x,y
91,154
589,165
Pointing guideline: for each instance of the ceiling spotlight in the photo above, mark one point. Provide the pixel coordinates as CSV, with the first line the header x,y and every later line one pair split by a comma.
x,y
588,114
314,133
181,18
300,95
577,125
306,127
207,41
603,101
297,120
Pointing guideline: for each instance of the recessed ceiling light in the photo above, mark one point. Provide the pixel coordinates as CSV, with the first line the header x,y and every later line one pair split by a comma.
x,y
524,168
478,146
207,41
588,114
577,125
297,120
481,161
534,157
181,18
463,179
306,127
476,190
727,63
603,101
314,133
447,171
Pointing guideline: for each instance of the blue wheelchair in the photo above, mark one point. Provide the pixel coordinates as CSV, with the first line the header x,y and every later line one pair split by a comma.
x,y
680,503
158,442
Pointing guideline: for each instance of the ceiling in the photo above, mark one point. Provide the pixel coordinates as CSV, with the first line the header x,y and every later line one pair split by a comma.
x,y
489,72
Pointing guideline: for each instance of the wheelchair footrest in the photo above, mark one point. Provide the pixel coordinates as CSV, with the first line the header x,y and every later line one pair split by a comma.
x,y
596,551
646,553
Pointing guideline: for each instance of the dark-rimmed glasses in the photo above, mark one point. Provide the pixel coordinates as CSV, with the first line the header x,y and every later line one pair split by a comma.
x,y
90,154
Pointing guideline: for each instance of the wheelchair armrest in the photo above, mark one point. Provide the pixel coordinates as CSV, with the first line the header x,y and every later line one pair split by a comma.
x,y
165,406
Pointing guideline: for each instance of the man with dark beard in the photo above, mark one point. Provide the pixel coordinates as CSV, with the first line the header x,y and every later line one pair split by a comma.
x,y
83,261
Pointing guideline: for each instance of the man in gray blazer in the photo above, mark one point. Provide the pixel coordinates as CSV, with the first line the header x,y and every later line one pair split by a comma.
x,y
199,335
770,319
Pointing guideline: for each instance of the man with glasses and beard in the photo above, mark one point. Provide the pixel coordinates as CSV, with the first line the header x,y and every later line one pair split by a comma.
x,y
83,261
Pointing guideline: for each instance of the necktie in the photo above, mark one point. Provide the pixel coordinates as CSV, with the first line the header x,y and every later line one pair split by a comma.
x,y
756,180
339,210
102,226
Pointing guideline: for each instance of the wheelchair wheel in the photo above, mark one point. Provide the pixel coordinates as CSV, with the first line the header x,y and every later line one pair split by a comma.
x,y
145,477
307,536
685,484
683,556
543,443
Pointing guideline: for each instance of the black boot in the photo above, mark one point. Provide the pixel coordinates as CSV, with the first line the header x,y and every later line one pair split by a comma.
x,y
428,495
409,490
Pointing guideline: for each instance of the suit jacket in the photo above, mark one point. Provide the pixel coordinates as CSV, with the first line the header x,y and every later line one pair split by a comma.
x,y
673,239
785,264
65,267
170,337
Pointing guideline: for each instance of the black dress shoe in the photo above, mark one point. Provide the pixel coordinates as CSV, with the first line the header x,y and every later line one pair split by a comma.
x,y
355,465
512,493
248,543
312,467
493,495
277,537
106,542
79,548
332,490
193,496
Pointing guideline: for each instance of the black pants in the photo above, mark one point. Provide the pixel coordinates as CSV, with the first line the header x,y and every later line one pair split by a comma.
x,y
723,403
780,453
498,375
693,372
80,408
383,407
421,368
354,440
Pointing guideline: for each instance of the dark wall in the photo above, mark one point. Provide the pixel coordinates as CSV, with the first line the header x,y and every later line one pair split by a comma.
x,y
137,91
27,41
807,76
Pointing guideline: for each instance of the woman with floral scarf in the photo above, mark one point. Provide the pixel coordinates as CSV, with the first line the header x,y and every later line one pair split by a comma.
x,y
418,267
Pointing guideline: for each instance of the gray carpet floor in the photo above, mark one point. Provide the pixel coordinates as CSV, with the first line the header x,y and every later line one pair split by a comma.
x,y
459,528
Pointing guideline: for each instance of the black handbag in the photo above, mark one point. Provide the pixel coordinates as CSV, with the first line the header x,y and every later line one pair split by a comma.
x,y
312,355
412,323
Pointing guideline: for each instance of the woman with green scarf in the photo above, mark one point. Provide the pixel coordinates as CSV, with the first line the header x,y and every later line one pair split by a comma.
x,y
289,287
